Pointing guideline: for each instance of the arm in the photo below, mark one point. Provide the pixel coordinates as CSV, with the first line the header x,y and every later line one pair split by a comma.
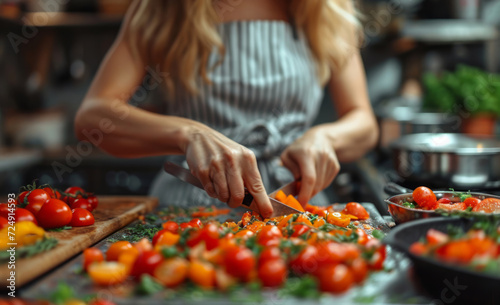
x,y
108,121
315,156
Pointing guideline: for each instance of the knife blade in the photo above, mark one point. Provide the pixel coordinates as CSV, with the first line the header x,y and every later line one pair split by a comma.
x,y
291,188
183,174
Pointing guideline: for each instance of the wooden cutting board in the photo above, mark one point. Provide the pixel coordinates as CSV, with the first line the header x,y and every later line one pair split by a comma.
x,y
112,214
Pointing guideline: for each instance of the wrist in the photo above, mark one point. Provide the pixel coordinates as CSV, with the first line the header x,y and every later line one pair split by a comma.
x,y
187,134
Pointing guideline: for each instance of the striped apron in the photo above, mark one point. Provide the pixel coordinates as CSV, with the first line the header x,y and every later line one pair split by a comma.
x,y
263,95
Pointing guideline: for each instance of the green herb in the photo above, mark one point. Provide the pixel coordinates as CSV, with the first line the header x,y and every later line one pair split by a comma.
x,y
378,234
454,232
148,286
42,245
300,287
169,252
251,243
312,217
62,294
461,195
409,205
60,229
327,227
152,218
139,231
184,236
271,222
343,238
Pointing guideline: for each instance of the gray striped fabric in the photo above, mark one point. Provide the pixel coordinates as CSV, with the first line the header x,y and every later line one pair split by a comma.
x,y
264,95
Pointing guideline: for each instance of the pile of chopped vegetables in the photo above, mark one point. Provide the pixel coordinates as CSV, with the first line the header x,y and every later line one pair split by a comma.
x,y
320,245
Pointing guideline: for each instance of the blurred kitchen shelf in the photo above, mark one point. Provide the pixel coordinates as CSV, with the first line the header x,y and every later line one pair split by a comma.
x,y
17,158
62,19
444,31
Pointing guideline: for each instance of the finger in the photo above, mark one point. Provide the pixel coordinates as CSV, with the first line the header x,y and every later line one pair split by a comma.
x,y
322,168
236,188
219,181
202,173
308,176
292,166
255,186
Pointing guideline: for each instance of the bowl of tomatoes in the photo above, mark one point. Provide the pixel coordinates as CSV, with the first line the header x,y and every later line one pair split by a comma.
x,y
455,260
423,203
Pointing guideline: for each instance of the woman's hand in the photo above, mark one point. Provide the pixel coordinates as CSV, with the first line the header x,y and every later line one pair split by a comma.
x,y
225,168
311,158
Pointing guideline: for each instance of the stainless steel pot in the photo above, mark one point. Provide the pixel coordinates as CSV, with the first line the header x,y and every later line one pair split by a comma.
x,y
448,160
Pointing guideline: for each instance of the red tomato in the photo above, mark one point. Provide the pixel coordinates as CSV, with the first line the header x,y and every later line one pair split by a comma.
x,y
459,206
195,223
269,236
459,251
359,269
356,209
21,198
444,200
34,207
90,256
435,237
425,197
76,193
24,215
93,201
268,254
4,210
377,260
3,222
305,262
52,193
299,230
334,253
81,203
171,226
272,273
146,262
209,235
54,214
335,278
81,218
37,196
185,225
488,205
239,262
472,202
157,235
101,302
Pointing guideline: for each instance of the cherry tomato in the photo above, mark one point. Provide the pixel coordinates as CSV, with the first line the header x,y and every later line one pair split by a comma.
x,y
81,218
376,262
269,236
157,236
3,222
195,223
37,196
81,203
52,193
239,262
435,237
299,230
54,214
75,191
202,274
118,248
305,262
4,210
272,273
107,273
22,197
335,278
425,197
146,262
90,256
334,253
185,225
24,215
444,200
93,201
356,209
268,254
472,202
208,234
172,272
359,269
34,207
101,302
171,226
488,205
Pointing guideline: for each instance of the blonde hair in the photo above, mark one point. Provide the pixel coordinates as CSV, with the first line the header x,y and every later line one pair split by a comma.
x,y
180,35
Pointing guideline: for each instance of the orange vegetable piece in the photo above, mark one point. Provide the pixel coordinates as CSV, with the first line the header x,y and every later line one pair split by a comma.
x,y
128,258
280,196
319,222
108,273
284,221
167,239
244,234
90,256
338,219
202,274
294,203
116,249
143,245
255,226
357,210
172,272
303,219
488,205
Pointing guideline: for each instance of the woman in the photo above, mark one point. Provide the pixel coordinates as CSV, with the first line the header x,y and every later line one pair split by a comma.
x,y
244,81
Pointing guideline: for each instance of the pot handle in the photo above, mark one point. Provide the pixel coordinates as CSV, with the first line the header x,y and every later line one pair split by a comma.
x,y
392,188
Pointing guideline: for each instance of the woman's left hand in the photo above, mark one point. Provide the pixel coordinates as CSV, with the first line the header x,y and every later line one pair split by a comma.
x,y
312,159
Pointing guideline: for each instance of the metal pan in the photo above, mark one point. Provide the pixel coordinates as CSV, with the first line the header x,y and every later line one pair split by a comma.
x,y
402,214
448,160
447,283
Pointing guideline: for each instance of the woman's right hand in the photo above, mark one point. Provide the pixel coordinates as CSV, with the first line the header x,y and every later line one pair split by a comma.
x,y
225,168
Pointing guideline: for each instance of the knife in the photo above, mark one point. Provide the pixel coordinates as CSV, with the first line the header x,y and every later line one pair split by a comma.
x,y
279,208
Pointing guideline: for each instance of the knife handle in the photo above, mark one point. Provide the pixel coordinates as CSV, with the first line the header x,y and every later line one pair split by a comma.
x,y
247,200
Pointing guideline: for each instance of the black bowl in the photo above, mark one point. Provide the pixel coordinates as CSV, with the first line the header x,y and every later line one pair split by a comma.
x,y
447,283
